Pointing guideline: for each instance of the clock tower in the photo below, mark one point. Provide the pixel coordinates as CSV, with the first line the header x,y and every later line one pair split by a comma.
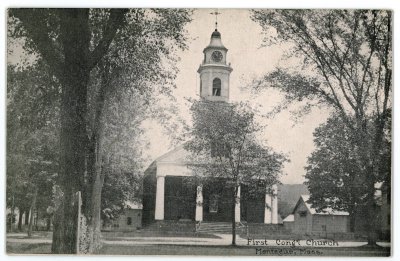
x,y
214,71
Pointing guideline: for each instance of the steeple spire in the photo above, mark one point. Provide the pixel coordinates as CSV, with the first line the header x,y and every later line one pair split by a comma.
x,y
216,13
214,70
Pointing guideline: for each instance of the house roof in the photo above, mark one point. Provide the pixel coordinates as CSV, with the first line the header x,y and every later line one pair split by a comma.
x,y
289,218
176,155
173,155
327,211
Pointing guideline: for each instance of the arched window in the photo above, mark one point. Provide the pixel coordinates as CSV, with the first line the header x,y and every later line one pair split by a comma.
x,y
216,87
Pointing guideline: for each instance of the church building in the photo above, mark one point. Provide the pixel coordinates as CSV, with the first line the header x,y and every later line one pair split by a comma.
x,y
168,194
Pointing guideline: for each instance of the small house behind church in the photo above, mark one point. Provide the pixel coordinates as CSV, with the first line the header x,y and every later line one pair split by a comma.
x,y
129,220
306,220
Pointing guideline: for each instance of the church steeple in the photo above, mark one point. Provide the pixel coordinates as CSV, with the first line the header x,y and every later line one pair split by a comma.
x,y
214,70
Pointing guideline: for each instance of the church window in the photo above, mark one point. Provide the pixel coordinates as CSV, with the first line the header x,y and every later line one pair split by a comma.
x,y
217,87
129,221
213,204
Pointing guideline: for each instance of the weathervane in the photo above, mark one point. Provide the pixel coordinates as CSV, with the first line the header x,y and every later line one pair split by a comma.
x,y
216,17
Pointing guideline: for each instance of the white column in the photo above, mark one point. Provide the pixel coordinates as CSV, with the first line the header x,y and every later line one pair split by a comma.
x,y
199,204
159,213
268,208
237,206
274,204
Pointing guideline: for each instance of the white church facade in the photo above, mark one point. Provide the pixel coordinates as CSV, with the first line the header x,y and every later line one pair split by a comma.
x,y
168,193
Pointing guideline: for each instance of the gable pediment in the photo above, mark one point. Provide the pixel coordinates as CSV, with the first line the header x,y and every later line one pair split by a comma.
x,y
178,155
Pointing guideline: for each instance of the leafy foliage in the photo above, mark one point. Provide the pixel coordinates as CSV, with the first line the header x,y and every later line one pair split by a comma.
x,y
32,147
224,144
335,170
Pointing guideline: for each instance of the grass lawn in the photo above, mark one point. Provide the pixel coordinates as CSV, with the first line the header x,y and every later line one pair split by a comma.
x,y
28,248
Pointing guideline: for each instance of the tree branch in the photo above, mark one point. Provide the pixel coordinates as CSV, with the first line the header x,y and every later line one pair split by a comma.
x,y
115,21
39,33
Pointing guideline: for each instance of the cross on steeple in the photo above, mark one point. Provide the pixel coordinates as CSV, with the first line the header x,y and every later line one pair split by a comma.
x,y
216,17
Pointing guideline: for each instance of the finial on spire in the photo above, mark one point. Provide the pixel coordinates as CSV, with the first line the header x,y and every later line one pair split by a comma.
x,y
216,17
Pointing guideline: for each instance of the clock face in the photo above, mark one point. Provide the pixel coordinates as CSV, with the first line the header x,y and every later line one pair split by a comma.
x,y
216,56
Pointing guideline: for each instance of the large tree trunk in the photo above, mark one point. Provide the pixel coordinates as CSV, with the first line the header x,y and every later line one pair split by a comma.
x,y
94,226
94,221
371,174
75,35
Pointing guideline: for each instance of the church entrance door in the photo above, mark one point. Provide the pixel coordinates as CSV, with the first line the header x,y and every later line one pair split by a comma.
x,y
180,199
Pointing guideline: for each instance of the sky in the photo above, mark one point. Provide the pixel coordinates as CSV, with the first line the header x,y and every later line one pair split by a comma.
x,y
249,60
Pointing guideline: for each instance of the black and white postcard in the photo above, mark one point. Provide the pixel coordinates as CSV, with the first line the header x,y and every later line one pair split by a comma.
x,y
199,132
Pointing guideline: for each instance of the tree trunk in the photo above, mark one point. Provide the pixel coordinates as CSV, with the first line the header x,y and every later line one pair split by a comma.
x,y
235,191
94,226
48,223
36,220
369,152
74,34
33,206
95,167
372,215
21,213
12,214
372,174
